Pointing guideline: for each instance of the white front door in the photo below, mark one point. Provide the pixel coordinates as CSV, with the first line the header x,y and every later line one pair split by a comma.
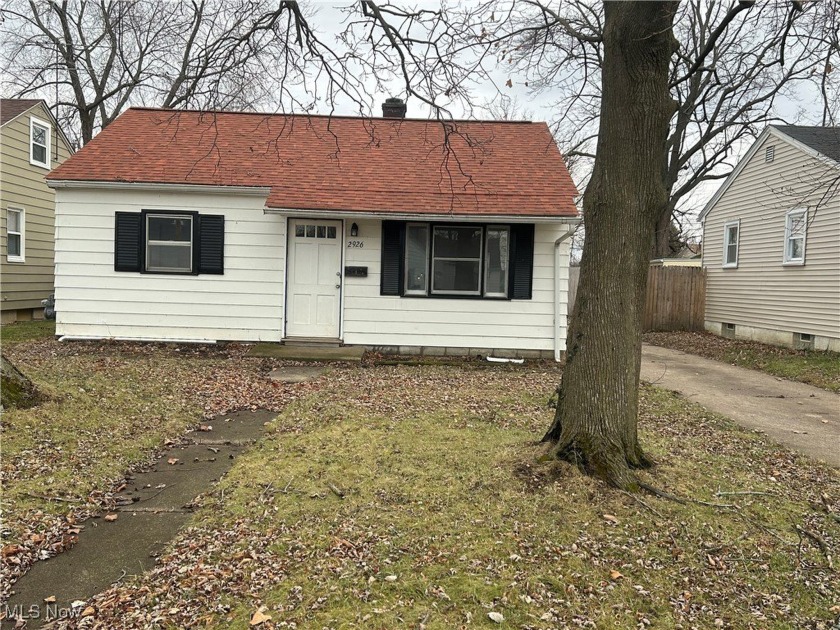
x,y
313,288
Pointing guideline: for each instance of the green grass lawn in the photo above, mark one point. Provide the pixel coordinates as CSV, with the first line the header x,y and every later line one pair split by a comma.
x,y
416,497
821,369
27,331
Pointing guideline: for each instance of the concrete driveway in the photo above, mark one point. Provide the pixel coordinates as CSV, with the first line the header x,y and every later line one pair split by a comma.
x,y
800,416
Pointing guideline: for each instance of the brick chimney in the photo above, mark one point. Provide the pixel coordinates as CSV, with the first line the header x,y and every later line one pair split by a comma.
x,y
393,108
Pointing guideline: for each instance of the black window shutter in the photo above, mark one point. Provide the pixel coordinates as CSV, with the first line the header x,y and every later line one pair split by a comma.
x,y
210,251
521,261
393,243
128,241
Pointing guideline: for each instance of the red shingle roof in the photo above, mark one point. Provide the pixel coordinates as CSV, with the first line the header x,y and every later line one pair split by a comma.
x,y
338,163
14,107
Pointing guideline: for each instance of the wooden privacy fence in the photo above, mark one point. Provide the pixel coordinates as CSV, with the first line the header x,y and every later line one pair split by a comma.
x,y
676,297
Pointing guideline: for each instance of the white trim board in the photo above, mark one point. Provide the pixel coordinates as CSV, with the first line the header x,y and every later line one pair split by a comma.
x,y
249,191
421,217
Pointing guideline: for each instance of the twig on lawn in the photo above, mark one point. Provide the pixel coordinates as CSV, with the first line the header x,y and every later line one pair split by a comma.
x,y
269,486
286,489
119,579
336,490
661,376
49,498
818,540
642,503
722,493
673,497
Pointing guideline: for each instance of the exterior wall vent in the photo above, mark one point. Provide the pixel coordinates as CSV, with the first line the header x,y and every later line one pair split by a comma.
x,y
770,153
727,330
803,341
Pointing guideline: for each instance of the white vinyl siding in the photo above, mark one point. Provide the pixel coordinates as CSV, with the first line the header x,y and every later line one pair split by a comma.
x,y
93,300
762,292
372,319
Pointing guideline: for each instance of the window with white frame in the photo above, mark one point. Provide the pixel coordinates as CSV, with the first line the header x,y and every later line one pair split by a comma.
x,y
457,260
169,240
14,234
496,253
39,142
796,225
416,258
731,236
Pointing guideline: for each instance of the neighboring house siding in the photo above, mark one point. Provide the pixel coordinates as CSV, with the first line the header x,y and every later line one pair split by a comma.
x,y
763,293
371,319
244,304
22,185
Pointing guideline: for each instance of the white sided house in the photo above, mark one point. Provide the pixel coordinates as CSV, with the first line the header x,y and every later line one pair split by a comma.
x,y
394,234
771,242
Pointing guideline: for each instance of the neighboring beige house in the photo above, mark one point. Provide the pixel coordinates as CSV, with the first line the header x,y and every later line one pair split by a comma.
x,y
32,145
771,245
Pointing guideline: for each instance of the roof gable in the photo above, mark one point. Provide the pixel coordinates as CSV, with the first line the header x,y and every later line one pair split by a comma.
x,y
777,133
823,140
11,108
338,163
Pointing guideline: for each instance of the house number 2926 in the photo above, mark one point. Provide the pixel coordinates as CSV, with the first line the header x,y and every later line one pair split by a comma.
x,y
355,244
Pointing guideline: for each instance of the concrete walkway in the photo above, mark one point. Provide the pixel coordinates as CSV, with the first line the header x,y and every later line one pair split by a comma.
x,y
800,416
153,507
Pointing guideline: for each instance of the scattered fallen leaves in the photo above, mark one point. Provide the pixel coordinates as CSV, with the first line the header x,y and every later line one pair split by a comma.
x,y
260,617
112,517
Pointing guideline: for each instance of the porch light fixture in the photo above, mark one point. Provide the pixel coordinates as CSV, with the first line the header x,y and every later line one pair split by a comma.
x,y
354,230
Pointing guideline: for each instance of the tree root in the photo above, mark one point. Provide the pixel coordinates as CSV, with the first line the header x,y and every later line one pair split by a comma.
x,y
613,466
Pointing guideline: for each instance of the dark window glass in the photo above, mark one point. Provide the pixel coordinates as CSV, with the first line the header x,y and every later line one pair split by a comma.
x,y
170,229
496,262
416,259
456,276
330,231
39,153
299,230
457,242
322,231
310,231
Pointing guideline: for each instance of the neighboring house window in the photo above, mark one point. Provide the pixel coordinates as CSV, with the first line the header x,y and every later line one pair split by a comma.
x,y
158,241
169,243
731,236
15,233
795,228
39,142
457,260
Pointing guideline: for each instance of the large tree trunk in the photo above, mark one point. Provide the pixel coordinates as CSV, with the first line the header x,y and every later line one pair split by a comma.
x,y
664,235
595,422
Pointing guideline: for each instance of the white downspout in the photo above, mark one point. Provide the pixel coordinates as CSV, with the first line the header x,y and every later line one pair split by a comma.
x,y
558,314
